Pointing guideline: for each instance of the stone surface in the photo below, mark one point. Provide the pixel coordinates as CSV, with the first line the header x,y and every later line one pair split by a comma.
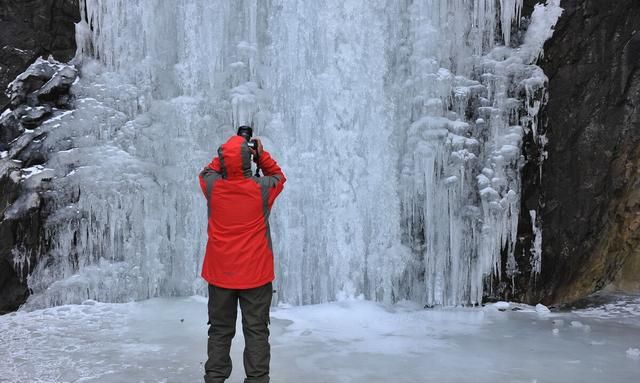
x,y
588,193
58,85
33,116
28,29
10,129
22,207
35,94
33,28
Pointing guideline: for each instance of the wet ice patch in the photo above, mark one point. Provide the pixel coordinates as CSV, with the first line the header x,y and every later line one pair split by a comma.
x,y
354,341
619,307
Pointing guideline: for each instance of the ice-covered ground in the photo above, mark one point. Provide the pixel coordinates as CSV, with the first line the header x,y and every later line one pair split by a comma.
x,y
163,340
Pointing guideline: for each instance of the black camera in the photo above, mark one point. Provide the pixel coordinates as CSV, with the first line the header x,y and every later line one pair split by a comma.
x,y
247,132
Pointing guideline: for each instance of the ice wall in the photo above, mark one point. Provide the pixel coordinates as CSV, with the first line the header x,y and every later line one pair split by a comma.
x,y
398,124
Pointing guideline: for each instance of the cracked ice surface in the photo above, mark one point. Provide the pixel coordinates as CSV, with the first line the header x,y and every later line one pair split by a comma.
x,y
347,341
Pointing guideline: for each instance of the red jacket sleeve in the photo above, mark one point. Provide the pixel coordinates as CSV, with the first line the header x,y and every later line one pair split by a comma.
x,y
273,176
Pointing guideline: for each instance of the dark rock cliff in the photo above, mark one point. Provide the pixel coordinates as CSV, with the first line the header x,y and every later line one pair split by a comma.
x,y
28,29
588,193
33,28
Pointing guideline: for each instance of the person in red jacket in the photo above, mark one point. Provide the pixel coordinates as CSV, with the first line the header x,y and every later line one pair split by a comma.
x,y
238,263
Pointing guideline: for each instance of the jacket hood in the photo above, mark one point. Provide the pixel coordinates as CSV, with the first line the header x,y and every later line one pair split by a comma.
x,y
235,158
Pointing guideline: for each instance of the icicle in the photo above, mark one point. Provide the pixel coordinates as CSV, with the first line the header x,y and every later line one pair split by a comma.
x,y
509,12
536,245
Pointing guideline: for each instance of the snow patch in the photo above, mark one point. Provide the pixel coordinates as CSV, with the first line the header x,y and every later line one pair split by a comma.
x,y
633,353
542,309
58,117
501,305
31,171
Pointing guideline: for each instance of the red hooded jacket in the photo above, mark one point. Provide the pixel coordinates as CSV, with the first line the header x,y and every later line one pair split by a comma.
x,y
239,254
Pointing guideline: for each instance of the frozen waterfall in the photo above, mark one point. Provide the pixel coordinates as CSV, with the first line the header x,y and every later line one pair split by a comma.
x,y
398,123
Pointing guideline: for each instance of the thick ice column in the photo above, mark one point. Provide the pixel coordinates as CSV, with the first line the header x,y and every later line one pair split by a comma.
x,y
337,227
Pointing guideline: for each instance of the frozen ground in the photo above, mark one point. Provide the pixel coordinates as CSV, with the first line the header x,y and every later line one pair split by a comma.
x,y
163,340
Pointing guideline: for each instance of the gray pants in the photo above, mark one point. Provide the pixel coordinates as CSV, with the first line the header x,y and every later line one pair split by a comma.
x,y
223,309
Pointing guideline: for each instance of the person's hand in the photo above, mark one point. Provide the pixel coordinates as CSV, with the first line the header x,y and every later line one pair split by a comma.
x,y
259,149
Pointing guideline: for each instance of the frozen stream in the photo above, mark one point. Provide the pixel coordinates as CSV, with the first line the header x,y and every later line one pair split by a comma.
x,y
347,341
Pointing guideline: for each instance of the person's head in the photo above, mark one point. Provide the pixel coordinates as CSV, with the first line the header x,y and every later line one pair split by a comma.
x,y
246,132
235,158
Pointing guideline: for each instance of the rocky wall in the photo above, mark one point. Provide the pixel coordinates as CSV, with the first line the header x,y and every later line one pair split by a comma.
x,y
29,29
588,193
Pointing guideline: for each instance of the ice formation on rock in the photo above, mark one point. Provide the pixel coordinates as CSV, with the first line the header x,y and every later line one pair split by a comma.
x,y
399,125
